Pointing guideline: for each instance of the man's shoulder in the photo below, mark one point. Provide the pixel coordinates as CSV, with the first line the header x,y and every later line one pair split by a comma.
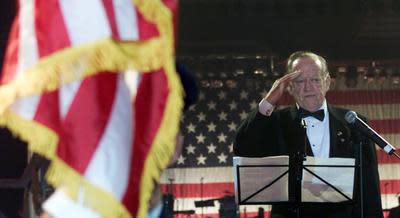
x,y
284,111
338,110
341,112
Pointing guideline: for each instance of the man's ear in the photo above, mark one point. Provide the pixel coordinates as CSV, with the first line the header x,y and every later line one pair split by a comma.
x,y
290,88
327,82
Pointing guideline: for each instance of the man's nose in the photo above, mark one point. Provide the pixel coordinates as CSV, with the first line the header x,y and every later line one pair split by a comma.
x,y
307,85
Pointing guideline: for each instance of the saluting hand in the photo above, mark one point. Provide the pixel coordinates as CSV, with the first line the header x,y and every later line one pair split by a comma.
x,y
279,87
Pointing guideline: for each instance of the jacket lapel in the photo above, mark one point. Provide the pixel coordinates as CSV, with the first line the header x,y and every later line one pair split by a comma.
x,y
340,135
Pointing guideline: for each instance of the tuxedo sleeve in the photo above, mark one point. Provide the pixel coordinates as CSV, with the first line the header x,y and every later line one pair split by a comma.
x,y
257,135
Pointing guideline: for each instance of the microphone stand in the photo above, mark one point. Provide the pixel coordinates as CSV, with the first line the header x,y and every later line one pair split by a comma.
x,y
300,157
360,167
396,155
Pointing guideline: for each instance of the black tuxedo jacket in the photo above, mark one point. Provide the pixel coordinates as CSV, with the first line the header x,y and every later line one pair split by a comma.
x,y
281,134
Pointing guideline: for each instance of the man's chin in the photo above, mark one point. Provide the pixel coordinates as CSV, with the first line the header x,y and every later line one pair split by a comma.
x,y
312,106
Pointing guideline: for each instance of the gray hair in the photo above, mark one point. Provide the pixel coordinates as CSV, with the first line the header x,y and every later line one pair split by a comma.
x,y
301,54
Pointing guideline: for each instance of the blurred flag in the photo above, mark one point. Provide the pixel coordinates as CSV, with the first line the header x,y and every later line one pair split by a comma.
x,y
73,89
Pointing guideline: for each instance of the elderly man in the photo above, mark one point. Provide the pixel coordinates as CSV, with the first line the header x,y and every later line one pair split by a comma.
x,y
269,132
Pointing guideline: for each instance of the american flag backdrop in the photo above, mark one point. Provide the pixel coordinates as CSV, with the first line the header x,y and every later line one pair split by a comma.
x,y
203,174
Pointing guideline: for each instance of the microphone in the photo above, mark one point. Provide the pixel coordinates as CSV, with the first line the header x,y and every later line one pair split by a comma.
x,y
352,118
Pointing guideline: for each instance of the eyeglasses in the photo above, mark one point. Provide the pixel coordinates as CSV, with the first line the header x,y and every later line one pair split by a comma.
x,y
301,82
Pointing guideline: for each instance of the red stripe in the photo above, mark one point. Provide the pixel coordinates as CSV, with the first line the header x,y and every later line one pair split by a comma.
x,y
11,56
384,158
386,126
146,30
89,113
210,190
218,190
149,107
87,119
51,32
354,97
390,186
109,8
149,110
51,36
216,215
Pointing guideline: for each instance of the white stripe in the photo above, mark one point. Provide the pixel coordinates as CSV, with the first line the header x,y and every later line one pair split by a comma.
x,y
132,79
225,174
393,139
376,111
189,204
109,167
390,200
27,56
27,50
193,175
85,21
389,171
126,19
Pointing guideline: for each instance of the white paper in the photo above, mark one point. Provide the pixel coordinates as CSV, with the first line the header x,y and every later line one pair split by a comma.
x,y
342,178
255,178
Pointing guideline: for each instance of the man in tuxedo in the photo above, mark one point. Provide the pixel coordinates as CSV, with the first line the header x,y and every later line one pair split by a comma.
x,y
270,132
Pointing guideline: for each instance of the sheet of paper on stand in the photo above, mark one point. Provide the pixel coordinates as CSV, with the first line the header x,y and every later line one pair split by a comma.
x,y
342,178
256,173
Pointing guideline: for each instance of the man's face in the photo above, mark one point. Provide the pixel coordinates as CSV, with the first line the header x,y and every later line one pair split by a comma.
x,y
310,87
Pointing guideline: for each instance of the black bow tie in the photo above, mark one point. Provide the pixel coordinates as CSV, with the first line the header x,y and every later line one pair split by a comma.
x,y
319,114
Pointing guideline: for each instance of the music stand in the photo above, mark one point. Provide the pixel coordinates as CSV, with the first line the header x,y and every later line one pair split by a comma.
x,y
266,181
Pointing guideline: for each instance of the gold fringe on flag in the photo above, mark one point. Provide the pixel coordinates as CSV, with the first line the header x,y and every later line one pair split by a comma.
x,y
164,142
77,63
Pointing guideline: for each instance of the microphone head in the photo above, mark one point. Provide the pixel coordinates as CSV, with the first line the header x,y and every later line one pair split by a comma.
x,y
350,117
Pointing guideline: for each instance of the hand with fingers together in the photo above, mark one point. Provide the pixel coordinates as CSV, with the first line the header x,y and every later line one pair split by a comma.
x,y
280,86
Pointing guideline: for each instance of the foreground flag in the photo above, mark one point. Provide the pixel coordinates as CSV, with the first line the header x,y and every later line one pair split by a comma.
x,y
74,91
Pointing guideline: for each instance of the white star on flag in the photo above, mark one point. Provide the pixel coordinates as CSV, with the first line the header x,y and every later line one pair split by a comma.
x,y
192,108
211,127
243,94
200,138
243,115
211,105
222,137
211,148
222,158
191,128
201,116
222,115
222,95
231,148
253,105
233,105
201,160
190,149
181,160
232,126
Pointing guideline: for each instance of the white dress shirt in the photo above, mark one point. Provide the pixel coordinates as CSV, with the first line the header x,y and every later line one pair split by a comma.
x,y
317,131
